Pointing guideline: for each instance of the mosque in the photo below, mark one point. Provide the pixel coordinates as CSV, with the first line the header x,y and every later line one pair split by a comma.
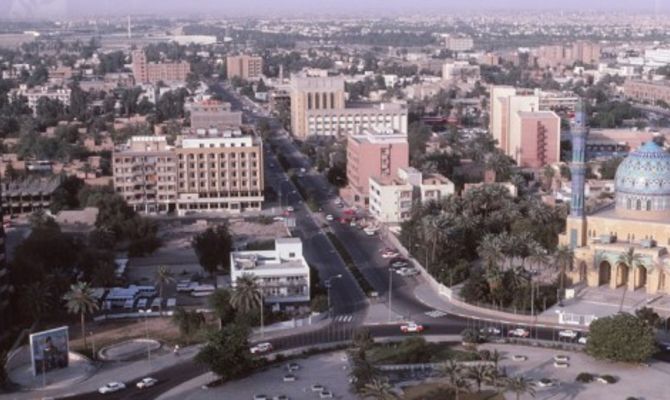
x,y
638,222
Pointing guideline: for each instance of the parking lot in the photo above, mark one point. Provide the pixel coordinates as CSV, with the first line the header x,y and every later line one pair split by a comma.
x,y
328,370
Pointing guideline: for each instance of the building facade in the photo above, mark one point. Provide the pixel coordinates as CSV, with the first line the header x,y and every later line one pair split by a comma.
x,y
539,139
283,274
219,172
146,72
36,93
244,66
623,245
25,196
646,91
458,43
313,93
392,199
145,174
357,118
373,155
212,114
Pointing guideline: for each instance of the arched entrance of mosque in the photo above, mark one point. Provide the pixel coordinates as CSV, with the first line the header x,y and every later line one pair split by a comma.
x,y
640,277
604,273
621,275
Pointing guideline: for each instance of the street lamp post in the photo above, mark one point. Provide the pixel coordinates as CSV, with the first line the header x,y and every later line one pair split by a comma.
x,y
145,313
92,344
390,292
328,286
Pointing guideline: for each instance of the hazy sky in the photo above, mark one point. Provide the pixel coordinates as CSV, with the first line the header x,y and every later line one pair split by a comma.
x,y
61,8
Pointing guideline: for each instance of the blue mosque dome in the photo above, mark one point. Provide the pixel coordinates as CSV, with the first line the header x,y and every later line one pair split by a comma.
x,y
643,181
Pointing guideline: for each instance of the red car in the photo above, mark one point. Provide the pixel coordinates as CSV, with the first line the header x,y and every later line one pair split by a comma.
x,y
411,327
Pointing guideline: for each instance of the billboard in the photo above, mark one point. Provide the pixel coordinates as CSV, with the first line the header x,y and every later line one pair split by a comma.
x,y
49,350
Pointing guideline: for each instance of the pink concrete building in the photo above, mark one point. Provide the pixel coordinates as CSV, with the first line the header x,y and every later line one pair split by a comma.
x,y
539,139
373,155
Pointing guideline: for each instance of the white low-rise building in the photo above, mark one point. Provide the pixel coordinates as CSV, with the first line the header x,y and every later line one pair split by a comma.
x,y
391,200
282,273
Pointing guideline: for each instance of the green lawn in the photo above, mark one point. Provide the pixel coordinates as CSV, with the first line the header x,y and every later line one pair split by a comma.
x,y
416,350
440,391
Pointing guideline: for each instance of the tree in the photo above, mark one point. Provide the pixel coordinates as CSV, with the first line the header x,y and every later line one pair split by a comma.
x,y
36,298
163,277
188,322
649,315
460,385
227,352
213,248
452,370
632,260
319,303
79,300
223,309
479,373
621,337
246,294
362,339
563,258
520,385
379,389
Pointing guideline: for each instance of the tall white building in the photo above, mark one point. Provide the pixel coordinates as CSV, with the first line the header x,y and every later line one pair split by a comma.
x,y
282,273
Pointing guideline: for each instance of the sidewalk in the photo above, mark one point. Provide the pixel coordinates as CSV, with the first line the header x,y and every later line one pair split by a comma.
x,y
425,294
109,372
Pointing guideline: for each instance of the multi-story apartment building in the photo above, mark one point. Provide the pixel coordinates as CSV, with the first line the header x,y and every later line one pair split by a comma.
x,y
460,70
376,154
282,274
392,199
313,93
25,196
146,72
5,288
356,118
516,116
244,66
219,171
554,55
210,114
145,174
647,91
36,93
458,43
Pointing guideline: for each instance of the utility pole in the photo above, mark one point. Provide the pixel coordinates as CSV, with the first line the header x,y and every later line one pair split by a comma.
x,y
390,292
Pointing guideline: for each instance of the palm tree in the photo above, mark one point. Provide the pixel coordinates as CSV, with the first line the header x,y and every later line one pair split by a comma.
x,y
451,370
36,298
478,373
79,300
496,357
460,385
247,294
490,250
631,260
520,385
379,389
163,277
563,257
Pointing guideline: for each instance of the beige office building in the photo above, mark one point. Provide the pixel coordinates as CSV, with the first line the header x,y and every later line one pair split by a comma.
x,y
314,93
215,114
219,171
244,66
357,118
146,72
145,174
645,91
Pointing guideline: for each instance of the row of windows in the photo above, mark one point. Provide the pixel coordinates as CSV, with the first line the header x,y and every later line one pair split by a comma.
x,y
208,183
233,164
214,175
212,156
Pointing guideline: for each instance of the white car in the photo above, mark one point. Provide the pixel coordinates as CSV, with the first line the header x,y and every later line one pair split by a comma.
x,y
546,382
490,330
112,387
290,209
567,334
561,364
318,388
261,348
330,217
289,378
407,271
583,340
561,358
146,382
411,327
519,332
519,357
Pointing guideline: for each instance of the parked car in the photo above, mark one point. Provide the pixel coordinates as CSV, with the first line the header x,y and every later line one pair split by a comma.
x,y
490,330
519,357
583,340
329,217
546,382
146,382
561,358
407,271
398,263
318,388
519,332
411,327
261,348
292,367
281,397
326,395
389,253
260,397
290,209
560,364
289,378
111,387
567,334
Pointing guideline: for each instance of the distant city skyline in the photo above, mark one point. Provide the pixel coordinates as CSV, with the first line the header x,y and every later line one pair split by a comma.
x,y
79,8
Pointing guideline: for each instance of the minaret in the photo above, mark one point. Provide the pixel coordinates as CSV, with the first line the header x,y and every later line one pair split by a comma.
x,y
578,132
576,221
130,29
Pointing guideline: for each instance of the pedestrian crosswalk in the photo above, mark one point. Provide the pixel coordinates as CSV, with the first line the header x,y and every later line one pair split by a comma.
x,y
436,314
344,318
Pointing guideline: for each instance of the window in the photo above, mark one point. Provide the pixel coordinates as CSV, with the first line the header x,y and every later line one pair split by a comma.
x,y
648,205
638,205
